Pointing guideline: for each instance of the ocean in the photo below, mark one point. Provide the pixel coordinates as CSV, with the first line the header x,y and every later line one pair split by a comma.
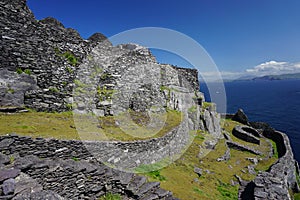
x,y
274,102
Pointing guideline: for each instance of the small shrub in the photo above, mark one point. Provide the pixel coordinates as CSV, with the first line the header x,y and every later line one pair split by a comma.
x,y
104,93
11,159
97,69
165,88
75,159
298,178
275,151
10,90
192,109
70,57
19,71
197,190
57,50
27,71
200,137
105,76
206,105
69,70
79,84
297,196
110,196
53,89
227,191
69,106
156,175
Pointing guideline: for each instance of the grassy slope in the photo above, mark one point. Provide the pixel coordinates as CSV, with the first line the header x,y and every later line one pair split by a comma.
x,y
62,126
177,177
215,184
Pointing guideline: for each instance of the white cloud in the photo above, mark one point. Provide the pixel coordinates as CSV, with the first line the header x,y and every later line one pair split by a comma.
x,y
274,68
267,68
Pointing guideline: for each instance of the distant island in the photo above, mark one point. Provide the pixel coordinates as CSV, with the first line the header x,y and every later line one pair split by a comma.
x,y
279,77
294,76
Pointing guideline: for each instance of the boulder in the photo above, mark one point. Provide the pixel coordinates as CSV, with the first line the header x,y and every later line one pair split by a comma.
x,y
241,117
198,171
8,186
4,159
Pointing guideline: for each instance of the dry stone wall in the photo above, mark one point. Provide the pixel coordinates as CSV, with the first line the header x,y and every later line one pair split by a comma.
x,y
280,179
64,170
51,54
46,50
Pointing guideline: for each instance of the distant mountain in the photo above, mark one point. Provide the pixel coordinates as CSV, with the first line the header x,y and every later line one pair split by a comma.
x,y
245,78
278,77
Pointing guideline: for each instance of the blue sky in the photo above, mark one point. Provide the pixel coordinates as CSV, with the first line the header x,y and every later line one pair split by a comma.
x,y
250,36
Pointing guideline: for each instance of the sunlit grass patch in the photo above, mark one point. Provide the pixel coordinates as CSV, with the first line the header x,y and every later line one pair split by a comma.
x,y
87,127
125,128
217,177
39,124
110,196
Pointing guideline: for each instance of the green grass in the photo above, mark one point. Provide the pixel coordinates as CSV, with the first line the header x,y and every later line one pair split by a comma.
x,y
110,196
10,90
80,84
19,71
62,126
105,76
206,104
197,190
156,175
135,125
214,184
178,176
39,124
70,58
75,159
53,89
297,178
27,71
227,191
297,196
11,159
274,145
145,169
104,93
68,55
192,109
163,87
69,70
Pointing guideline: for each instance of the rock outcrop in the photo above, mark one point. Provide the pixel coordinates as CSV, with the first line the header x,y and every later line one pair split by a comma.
x,y
241,117
280,179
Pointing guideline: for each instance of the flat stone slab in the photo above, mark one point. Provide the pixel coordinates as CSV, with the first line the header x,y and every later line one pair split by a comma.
x,y
237,146
247,134
9,186
8,173
4,159
6,143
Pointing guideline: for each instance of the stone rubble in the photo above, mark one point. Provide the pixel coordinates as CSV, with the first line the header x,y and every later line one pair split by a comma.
x,y
59,177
